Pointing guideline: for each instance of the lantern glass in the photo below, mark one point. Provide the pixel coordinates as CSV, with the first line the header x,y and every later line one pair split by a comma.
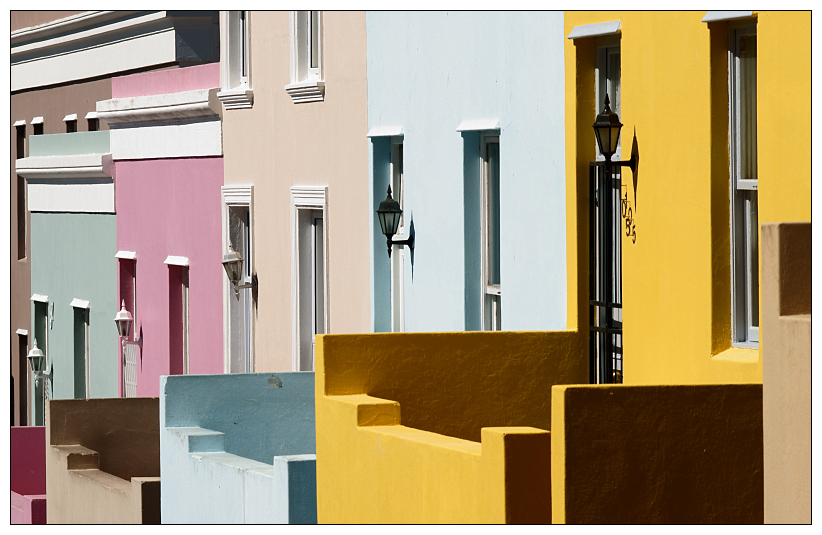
x,y
233,264
606,128
389,214
36,358
123,321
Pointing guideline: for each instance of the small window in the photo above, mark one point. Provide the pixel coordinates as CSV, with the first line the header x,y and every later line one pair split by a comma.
x,y
744,186
238,57
71,123
306,56
490,198
608,81
240,308
93,121
398,254
37,126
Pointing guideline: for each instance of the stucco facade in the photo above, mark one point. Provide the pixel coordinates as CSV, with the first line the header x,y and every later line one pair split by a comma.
x,y
319,146
168,172
27,449
500,75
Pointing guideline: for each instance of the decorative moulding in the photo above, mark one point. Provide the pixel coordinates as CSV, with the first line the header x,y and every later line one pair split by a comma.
x,y
236,99
196,103
65,167
237,195
312,91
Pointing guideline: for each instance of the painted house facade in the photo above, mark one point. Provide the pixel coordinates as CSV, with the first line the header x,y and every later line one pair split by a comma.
x,y
167,154
295,199
471,144
61,65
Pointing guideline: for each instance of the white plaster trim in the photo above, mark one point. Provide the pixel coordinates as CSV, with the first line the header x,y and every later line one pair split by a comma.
x,y
78,197
91,115
593,30
310,91
68,166
79,303
715,16
469,125
181,139
126,255
37,120
385,131
165,107
23,332
40,298
236,195
71,22
237,98
176,261
312,198
21,122
70,117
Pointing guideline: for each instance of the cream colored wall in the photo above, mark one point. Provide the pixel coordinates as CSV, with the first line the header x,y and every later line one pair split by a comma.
x,y
278,144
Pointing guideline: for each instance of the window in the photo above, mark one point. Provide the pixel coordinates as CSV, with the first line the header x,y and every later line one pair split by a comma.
x,y
239,235
178,319
490,199
93,121
309,287
743,173
71,123
608,78
24,379
306,57
236,91
21,194
81,349
398,254
37,126
39,390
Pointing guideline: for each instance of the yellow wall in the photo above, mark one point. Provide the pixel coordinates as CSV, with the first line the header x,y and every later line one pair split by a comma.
x,y
676,276
440,462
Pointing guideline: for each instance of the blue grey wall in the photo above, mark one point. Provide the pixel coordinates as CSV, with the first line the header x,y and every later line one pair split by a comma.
x,y
429,71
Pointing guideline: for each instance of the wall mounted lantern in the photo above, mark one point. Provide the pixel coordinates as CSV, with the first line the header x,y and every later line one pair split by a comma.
x,y
37,361
233,264
389,214
607,128
123,320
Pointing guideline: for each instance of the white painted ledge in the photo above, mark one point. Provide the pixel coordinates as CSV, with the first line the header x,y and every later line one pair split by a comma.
x,y
385,131
470,125
176,261
62,167
197,103
593,30
79,303
716,16
126,255
237,99
21,122
312,91
23,332
40,298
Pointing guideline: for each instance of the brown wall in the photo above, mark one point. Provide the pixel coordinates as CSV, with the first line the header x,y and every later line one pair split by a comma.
x,y
124,431
26,19
786,371
52,104
278,144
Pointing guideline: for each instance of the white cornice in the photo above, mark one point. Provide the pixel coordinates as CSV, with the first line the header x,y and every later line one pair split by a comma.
x,y
166,107
65,167
87,18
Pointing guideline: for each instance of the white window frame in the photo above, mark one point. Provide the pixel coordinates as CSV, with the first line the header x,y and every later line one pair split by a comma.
x,y
606,47
307,82
491,300
396,173
744,231
306,198
235,59
237,196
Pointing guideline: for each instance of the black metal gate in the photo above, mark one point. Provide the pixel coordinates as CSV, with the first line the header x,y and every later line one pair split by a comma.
x,y
605,273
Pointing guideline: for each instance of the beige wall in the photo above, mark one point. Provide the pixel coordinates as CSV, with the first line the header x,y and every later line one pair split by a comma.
x,y
27,19
786,371
277,144
103,461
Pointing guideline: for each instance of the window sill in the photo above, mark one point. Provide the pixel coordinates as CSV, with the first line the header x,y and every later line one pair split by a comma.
x,y
237,98
738,354
310,91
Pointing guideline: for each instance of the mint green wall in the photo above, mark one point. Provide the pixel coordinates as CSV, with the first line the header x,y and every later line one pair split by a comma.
x,y
65,144
72,255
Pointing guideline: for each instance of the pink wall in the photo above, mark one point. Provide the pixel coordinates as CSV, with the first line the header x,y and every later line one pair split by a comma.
x,y
168,81
171,207
28,460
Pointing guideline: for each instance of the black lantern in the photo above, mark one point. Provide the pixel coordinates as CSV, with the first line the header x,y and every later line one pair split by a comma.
x,y
389,214
607,127
123,319
233,264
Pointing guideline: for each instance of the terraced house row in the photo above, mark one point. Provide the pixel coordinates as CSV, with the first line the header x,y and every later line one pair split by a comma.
x,y
378,267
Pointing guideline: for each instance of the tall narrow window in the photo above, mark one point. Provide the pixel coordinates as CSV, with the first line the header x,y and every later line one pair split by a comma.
x,y
81,352
235,60
40,390
743,173
398,254
239,235
128,296
608,81
311,291
24,378
21,195
492,312
306,56
178,319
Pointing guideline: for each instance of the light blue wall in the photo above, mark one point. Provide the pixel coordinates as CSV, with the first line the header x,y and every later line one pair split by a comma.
x,y
72,256
429,71
238,448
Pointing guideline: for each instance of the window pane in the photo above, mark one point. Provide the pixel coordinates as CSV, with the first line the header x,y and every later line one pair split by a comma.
x,y
493,214
747,79
752,206
315,38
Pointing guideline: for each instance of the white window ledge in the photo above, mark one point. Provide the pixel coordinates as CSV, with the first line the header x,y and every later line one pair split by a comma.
x,y
236,99
312,91
126,255
385,131
471,125
176,261
593,30
40,298
715,16
21,122
79,303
